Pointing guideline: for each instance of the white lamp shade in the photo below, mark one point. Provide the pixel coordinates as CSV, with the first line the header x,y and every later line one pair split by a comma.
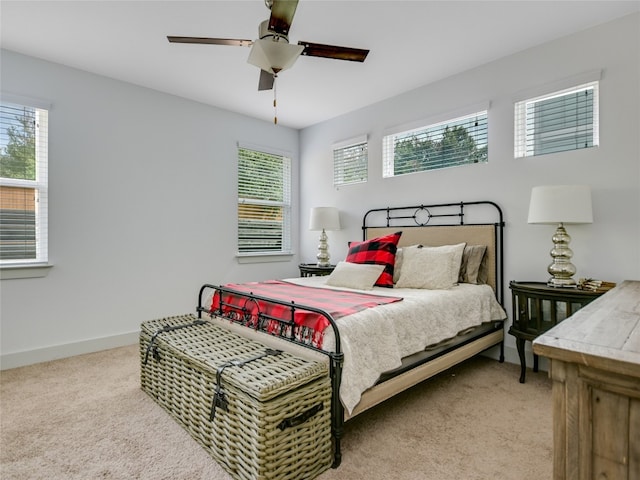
x,y
324,218
560,204
272,56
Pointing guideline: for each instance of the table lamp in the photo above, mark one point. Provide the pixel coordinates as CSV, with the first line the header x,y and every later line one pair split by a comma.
x,y
561,204
324,218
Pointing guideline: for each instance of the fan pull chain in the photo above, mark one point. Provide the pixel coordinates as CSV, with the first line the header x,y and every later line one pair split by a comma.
x,y
275,103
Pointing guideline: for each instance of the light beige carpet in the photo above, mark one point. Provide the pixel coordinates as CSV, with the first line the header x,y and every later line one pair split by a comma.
x,y
87,418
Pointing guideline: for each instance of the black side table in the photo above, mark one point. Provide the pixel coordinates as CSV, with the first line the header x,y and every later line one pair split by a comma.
x,y
538,307
312,269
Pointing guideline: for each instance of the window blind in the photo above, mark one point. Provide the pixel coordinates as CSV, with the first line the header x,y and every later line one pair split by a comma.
x,y
23,184
350,161
557,122
455,142
264,202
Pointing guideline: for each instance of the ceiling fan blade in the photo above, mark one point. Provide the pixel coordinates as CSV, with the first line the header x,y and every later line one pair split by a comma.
x,y
282,12
211,41
266,81
332,51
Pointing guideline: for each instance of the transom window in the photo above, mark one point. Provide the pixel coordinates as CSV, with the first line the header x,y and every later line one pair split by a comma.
x,y
452,143
264,202
23,183
560,121
350,161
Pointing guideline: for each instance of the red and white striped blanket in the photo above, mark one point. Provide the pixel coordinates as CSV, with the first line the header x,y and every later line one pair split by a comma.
x,y
337,303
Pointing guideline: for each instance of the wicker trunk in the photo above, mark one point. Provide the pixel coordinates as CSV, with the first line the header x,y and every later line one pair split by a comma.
x,y
271,410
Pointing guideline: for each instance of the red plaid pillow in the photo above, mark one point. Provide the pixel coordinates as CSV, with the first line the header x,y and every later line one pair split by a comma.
x,y
378,251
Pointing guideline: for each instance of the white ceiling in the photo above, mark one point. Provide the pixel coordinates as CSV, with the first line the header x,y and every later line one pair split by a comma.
x,y
412,43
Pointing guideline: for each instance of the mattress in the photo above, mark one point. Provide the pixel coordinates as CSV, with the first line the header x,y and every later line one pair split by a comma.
x,y
375,341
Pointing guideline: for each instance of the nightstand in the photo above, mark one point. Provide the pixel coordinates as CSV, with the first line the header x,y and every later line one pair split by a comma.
x,y
311,269
538,307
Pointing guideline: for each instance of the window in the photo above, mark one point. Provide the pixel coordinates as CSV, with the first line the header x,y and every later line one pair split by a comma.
x,y
350,161
264,202
557,122
452,143
23,182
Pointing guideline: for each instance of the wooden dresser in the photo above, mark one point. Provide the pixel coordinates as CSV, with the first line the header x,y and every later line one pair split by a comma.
x,y
595,369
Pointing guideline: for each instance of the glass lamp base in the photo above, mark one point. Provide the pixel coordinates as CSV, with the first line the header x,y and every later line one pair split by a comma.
x,y
561,269
323,251
562,282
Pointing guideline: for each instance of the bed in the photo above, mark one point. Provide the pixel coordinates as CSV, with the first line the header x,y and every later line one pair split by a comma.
x,y
379,340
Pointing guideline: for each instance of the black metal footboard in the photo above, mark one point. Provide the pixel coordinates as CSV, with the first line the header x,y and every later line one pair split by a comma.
x,y
286,329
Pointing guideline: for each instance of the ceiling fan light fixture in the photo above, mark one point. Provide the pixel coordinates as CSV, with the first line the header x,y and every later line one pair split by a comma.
x,y
273,56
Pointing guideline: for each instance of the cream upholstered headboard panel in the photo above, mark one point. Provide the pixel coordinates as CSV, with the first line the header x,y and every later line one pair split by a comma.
x,y
435,236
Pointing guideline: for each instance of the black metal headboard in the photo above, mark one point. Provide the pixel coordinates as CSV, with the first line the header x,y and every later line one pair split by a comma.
x,y
439,224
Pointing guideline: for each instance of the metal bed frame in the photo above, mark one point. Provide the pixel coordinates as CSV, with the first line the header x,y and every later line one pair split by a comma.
x,y
447,214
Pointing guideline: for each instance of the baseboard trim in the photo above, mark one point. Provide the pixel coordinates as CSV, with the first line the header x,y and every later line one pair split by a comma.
x,y
29,357
511,356
56,352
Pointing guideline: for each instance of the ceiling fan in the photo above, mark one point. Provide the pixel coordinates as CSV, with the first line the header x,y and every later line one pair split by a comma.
x,y
272,52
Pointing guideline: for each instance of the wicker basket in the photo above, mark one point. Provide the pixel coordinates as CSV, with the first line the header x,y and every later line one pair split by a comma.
x,y
272,418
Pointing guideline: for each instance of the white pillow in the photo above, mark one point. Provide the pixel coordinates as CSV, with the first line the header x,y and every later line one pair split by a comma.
x,y
361,276
397,268
431,267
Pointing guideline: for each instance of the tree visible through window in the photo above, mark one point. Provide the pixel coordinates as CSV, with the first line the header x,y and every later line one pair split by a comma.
x,y
452,143
264,202
23,184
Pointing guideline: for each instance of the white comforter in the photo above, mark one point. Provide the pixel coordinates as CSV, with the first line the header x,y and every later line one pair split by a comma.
x,y
375,340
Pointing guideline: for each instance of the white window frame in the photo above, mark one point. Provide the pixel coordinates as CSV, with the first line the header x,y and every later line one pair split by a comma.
x,y
422,128
285,204
351,161
563,87
12,268
526,138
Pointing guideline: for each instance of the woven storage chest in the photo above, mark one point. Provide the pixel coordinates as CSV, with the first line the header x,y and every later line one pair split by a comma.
x,y
273,413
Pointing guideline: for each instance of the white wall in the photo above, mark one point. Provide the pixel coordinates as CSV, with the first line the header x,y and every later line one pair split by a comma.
x,y
607,249
142,188
142,202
